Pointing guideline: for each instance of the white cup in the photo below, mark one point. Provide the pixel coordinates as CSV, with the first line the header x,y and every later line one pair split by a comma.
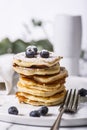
x,y
67,40
71,64
67,35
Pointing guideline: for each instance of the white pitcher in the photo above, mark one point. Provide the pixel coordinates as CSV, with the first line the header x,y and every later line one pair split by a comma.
x,y
67,41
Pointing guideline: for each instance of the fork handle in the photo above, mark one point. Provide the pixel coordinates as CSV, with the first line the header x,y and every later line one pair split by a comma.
x,y
56,124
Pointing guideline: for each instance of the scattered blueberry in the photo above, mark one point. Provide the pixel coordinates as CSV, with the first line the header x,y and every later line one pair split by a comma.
x,y
43,110
44,54
82,92
29,53
34,113
13,110
32,48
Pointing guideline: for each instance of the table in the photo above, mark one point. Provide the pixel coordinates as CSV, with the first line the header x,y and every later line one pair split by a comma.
x,y
10,126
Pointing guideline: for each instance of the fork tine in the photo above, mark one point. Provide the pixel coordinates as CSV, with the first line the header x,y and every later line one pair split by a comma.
x,y
68,97
75,101
71,99
68,102
64,100
64,104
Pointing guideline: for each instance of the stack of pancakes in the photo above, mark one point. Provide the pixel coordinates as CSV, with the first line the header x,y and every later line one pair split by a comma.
x,y
41,80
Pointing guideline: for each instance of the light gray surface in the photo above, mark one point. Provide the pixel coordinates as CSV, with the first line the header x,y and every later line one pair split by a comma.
x,y
9,126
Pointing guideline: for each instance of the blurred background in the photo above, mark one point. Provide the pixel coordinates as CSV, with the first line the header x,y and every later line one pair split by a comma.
x,y
27,22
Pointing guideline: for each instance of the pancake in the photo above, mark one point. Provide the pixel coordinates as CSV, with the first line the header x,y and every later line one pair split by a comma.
x,y
40,87
49,78
39,92
41,80
37,71
35,100
20,59
30,82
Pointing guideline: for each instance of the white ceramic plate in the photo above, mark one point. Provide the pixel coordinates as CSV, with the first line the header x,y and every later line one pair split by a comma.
x,y
78,119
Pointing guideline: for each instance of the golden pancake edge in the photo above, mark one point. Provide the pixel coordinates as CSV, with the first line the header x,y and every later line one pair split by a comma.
x,y
38,101
36,70
48,78
21,60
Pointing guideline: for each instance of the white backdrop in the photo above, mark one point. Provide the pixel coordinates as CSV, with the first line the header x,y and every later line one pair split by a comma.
x,y
13,13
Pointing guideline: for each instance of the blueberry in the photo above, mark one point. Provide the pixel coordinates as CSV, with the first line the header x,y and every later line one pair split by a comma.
x,y
13,110
29,53
32,48
83,92
34,113
43,110
44,54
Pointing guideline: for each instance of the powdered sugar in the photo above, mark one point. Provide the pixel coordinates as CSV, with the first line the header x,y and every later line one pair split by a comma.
x,y
21,60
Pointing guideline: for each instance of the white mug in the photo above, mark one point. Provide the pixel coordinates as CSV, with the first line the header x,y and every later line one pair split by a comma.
x,y
71,64
67,39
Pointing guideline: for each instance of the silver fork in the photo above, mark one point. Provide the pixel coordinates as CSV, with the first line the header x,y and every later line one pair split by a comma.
x,y
69,105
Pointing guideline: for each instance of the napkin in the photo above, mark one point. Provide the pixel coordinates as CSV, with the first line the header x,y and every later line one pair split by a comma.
x,y
6,73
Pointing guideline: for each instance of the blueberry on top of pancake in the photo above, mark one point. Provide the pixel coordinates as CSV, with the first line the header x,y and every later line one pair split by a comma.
x,y
44,54
32,48
29,53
